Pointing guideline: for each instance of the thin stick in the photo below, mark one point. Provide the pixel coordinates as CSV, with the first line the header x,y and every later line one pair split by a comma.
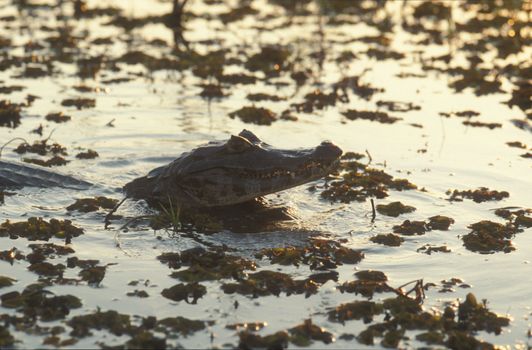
x,y
373,213
50,135
369,156
8,142
107,220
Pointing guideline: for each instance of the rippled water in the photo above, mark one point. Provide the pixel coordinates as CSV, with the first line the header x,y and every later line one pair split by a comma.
x,y
159,115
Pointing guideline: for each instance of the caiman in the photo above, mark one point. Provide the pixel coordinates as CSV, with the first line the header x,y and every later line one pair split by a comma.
x,y
217,175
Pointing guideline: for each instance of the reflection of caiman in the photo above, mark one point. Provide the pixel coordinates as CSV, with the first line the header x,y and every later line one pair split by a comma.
x,y
218,174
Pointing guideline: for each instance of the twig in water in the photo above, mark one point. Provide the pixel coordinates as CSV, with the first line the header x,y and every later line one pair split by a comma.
x,y
369,157
373,213
8,142
50,135
107,220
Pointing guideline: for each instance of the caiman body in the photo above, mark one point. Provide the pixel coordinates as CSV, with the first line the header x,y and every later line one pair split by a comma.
x,y
218,174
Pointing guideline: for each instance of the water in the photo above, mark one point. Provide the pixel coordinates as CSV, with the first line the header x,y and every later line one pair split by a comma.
x,y
158,115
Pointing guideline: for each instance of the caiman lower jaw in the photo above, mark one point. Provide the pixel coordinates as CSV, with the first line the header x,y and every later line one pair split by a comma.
x,y
310,169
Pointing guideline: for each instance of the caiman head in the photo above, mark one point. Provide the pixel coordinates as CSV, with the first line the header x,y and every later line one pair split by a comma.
x,y
232,172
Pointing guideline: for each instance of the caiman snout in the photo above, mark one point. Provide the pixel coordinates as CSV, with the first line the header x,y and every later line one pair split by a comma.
x,y
328,151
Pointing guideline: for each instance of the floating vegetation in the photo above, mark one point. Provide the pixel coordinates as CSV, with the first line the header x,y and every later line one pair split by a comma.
x,y
357,310
263,97
411,228
384,54
359,182
254,115
305,333
482,124
389,239
264,283
380,117
9,89
6,281
394,209
447,285
179,292
320,100
79,103
488,237
429,249
138,293
58,117
397,106
37,302
277,340
39,229
9,114
88,154
481,194
112,321
368,283
206,265
462,114
53,161
212,91
439,222
41,147
270,60
86,205
519,217
320,254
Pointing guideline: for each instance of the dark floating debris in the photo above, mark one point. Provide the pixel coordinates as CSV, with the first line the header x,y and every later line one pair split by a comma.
x,y
189,292
481,194
6,281
389,239
254,115
516,144
41,147
212,91
38,303
359,181
482,124
264,283
440,222
9,114
487,237
368,283
394,209
397,106
79,103
264,97
86,205
88,154
429,249
39,229
54,161
206,265
411,228
380,117
320,254
320,100
58,117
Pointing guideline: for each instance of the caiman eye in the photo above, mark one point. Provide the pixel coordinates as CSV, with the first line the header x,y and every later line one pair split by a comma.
x,y
238,144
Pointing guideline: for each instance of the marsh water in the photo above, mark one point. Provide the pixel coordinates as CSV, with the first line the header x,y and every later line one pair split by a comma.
x,y
458,65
